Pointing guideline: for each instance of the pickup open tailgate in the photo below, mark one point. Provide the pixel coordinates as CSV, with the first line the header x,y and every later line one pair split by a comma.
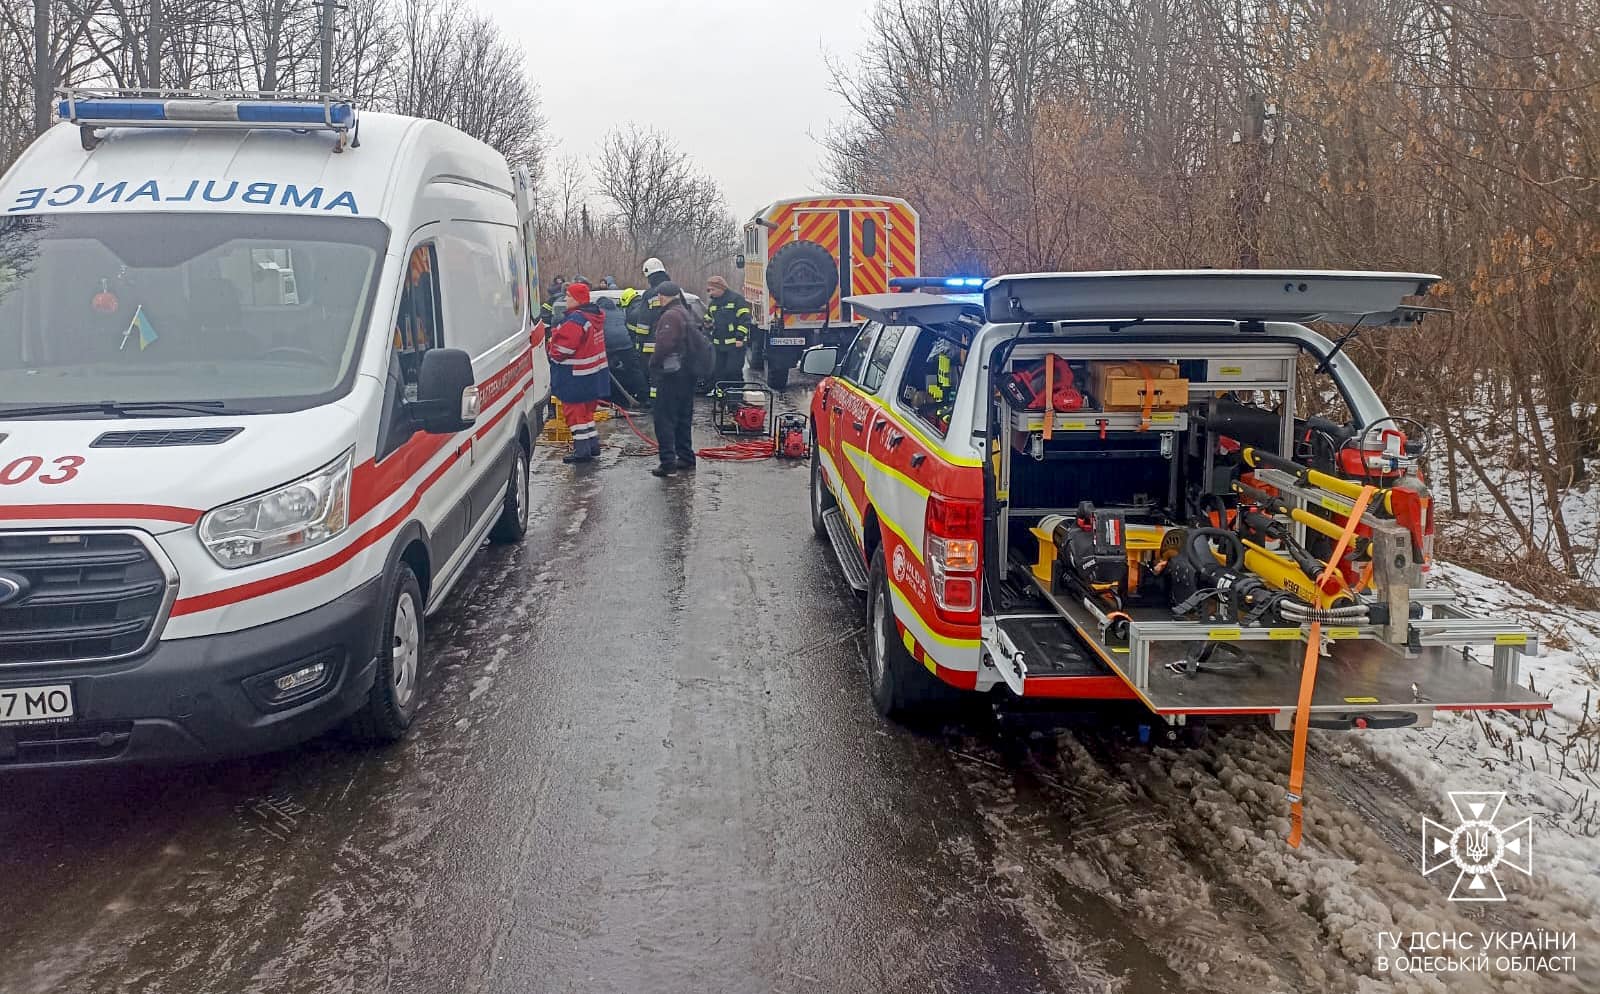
x,y
1361,681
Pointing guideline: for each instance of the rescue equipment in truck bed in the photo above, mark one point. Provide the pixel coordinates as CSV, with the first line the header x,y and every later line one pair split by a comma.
x,y
1226,541
1096,486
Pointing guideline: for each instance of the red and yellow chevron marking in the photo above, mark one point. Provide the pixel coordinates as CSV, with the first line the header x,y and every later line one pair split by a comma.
x,y
817,220
904,240
960,679
869,273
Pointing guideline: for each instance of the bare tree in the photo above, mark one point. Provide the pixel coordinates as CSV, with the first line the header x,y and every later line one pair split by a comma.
x,y
662,205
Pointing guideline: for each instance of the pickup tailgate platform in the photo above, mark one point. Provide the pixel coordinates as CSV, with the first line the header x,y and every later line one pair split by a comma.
x,y
1182,668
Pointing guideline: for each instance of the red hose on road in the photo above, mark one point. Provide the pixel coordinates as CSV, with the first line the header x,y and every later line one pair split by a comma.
x,y
746,450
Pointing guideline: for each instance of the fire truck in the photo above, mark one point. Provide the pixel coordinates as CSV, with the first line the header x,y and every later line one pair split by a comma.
x,y
1101,487
803,256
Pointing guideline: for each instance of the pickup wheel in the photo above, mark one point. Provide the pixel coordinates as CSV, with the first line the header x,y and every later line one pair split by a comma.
x,y
392,702
902,688
822,499
512,524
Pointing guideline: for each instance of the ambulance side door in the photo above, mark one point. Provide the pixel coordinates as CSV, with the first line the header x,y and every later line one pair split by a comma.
x,y
444,508
481,281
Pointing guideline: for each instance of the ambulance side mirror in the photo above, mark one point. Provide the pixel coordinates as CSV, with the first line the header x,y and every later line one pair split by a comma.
x,y
820,361
447,399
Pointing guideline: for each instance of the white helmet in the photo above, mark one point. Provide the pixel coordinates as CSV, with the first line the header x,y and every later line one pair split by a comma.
x,y
653,265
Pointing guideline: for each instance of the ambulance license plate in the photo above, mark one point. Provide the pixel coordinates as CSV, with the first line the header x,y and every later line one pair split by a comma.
x,y
786,341
35,705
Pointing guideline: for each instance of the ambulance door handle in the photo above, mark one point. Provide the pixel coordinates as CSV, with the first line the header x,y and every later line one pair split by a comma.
x,y
894,438
917,459
859,426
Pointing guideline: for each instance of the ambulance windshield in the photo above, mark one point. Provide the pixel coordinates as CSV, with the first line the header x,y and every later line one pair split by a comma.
x,y
261,313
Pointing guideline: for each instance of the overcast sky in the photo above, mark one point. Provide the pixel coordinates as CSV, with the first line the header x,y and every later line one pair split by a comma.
x,y
742,87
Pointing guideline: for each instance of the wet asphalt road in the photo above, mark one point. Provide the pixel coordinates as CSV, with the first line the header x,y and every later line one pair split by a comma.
x,y
646,761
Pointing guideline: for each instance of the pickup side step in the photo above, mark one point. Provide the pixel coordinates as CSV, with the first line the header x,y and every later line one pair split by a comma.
x,y
844,546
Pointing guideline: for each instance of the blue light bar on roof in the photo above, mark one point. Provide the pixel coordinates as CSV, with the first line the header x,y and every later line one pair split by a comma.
x,y
101,111
936,282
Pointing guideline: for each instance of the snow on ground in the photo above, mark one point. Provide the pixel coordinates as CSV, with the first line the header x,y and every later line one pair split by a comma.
x,y
1189,842
1549,764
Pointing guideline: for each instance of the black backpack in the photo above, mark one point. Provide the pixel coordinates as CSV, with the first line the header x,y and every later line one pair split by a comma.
x,y
701,360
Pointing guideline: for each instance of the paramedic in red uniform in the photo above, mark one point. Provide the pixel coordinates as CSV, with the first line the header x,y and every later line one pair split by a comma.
x,y
579,376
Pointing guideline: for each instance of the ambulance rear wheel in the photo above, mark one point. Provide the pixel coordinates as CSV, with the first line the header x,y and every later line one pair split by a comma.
x,y
392,702
901,687
513,521
822,500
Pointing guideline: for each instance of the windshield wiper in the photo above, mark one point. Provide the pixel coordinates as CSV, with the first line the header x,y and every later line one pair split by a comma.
x,y
127,409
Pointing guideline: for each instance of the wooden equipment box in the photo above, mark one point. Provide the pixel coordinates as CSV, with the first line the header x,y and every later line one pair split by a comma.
x,y
1122,386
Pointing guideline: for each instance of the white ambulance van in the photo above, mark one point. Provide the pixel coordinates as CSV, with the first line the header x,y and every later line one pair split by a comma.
x,y
270,373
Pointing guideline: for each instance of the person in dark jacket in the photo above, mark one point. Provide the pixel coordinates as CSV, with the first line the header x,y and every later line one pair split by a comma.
x,y
642,315
728,323
672,372
627,367
579,377
547,310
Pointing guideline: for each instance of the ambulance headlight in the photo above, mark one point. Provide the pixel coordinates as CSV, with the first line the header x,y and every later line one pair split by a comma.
x,y
295,516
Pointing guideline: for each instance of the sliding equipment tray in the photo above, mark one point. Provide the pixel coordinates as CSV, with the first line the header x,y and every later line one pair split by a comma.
x,y
1097,421
1361,680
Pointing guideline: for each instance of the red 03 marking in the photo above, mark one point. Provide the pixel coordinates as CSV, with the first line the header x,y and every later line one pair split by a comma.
x,y
25,468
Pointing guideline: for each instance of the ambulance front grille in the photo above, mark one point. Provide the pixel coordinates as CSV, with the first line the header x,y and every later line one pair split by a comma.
x,y
85,596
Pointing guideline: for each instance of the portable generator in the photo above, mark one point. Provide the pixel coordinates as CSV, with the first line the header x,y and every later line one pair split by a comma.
x,y
741,408
790,436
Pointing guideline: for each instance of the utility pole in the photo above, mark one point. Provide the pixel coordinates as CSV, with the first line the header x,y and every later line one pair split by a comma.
x,y
1251,187
44,66
325,71
152,72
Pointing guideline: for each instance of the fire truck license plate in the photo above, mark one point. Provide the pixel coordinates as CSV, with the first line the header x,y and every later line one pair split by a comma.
x,y
33,705
786,341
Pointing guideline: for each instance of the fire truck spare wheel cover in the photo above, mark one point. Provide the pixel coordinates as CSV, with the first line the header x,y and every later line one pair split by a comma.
x,y
802,277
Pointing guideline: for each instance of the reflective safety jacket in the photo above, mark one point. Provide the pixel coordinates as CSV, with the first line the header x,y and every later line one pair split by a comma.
x,y
941,384
578,368
642,317
729,320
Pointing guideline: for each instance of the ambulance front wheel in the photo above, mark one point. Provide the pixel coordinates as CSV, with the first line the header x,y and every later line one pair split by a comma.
x,y
512,524
901,687
392,702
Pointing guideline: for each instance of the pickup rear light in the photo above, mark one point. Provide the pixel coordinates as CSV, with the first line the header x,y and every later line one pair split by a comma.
x,y
953,551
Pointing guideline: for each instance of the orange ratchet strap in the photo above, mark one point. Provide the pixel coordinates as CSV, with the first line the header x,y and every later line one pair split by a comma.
x,y
1149,397
1308,674
1049,397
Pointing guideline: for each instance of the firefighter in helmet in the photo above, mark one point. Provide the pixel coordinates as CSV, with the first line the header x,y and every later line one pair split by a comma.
x,y
642,312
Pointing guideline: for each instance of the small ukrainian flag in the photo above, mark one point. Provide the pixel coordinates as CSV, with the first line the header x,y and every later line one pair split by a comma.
x,y
147,333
